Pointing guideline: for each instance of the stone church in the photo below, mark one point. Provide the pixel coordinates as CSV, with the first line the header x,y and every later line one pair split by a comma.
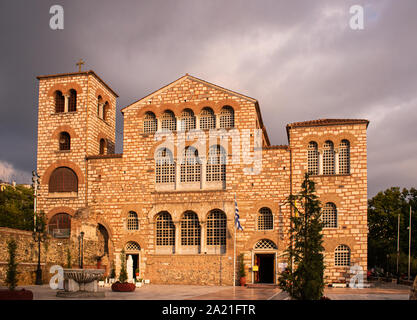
x,y
190,149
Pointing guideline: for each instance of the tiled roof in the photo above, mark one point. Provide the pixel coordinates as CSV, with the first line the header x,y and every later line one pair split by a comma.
x,y
326,122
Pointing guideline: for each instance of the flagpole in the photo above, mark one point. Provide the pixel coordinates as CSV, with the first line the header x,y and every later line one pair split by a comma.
x,y
234,248
409,246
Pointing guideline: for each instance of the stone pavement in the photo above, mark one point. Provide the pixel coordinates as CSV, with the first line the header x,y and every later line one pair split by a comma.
x,y
189,292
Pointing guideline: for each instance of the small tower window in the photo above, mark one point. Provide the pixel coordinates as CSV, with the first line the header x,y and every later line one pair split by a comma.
x,y
59,102
344,157
64,141
72,102
63,179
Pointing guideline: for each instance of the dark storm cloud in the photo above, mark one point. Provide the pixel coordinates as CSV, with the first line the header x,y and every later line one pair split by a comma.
x,y
298,58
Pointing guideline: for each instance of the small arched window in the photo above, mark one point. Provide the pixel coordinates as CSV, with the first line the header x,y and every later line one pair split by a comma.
x,y
164,166
313,158
106,111
344,157
100,107
216,228
265,244
328,158
132,221
190,166
216,164
187,120
132,247
265,219
72,102
168,121
63,179
342,256
329,215
150,123
102,146
64,141
190,229
59,226
59,102
165,230
227,117
207,119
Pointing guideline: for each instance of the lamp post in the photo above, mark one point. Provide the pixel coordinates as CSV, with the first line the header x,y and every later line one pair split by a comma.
x,y
81,246
39,236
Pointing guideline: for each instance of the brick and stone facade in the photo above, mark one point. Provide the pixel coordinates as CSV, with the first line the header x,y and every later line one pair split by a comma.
x,y
112,186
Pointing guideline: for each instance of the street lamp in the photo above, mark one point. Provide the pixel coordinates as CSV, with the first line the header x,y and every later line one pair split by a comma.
x,y
39,236
81,248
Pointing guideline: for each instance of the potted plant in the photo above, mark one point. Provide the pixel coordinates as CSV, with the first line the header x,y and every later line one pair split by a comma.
x,y
11,277
139,282
112,276
242,272
122,285
137,273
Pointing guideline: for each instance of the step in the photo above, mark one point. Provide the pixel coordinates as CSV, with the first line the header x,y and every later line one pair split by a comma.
x,y
262,286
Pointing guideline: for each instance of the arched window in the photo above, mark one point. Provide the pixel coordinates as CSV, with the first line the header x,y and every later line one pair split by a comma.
x,y
216,164
344,157
342,256
64,141
187,120
207,119
72,102
164,166
100,107
265,219
106,111
59,226
63,180
59,102
190,165
216,228
102,146
132,221
165,230
190,229
168,121
329,215
313,158
328,158
227,117
150,123
132,247
265,244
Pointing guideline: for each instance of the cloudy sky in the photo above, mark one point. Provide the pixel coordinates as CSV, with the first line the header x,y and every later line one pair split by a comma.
x,y
300,59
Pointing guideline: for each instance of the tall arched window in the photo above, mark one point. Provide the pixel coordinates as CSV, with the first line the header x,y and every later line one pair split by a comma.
x,y
187,120
216,229
329,215
227,117
190,165
313,158
100,107
342,256
72,102
63,179
64,141
265,219
102,146
216,164
106,111
150,123
207,119
168,121
328,158
190,229
165,231
344,157
59,102
164,166
59,226
132,221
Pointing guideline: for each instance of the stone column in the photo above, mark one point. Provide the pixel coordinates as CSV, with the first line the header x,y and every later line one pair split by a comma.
x,y
178,124
66,96
203,241
100,110
203,172
320,162
177,173
158,124
197,122
177,236
336,161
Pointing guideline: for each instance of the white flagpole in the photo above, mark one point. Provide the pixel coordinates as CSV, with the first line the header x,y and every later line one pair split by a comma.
x,y
234,247
409,247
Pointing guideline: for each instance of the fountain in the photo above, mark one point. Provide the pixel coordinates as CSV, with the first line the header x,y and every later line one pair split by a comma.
x,y
81,283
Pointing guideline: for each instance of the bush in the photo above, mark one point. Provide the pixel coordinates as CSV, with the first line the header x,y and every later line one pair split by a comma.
x,y
11,276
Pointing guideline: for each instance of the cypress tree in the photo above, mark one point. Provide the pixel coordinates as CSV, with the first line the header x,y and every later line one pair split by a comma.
x,y
11,275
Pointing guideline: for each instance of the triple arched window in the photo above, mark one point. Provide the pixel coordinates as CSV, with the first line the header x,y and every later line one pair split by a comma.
x,y
63,179
328,160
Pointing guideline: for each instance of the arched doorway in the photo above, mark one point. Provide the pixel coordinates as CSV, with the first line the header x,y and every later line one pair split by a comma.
x,y
103,259
132,249
264,261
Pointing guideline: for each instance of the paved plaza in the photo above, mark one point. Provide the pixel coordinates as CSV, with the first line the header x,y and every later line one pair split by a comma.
x,y
380,291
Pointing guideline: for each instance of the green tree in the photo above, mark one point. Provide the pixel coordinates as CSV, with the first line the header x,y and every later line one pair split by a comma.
x,y
241,271
304,280
16,208
383,211
11,275
123,272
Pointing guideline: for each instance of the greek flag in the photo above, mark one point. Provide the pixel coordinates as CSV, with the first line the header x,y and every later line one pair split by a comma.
x,y
237,222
